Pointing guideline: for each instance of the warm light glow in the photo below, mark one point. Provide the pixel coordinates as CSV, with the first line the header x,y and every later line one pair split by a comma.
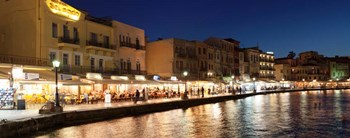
x,y
56,63
232,76
185,73
253,79
63,9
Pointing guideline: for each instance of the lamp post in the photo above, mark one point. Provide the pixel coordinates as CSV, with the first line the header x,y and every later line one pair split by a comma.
x,y
282,83
254,85
185,74
56,64
303,83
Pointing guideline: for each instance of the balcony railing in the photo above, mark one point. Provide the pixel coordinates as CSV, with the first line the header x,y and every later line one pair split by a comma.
x,y
68,40
21,60
101,45
137,47
72,69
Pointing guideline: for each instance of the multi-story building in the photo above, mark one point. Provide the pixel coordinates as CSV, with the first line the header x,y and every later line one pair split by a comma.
x,y
251,56
225,53
53,30
205,64
282,72
131,47
308,66
267,70
339,68
46,30
172,57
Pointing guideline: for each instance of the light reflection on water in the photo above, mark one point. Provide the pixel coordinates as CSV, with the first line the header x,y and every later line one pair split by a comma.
x,y
299,114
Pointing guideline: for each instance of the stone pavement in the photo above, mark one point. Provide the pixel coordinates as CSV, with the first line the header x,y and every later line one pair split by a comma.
x,y
34,112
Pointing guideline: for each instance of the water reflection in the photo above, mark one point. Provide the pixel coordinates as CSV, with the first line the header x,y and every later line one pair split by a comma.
x,y
299,114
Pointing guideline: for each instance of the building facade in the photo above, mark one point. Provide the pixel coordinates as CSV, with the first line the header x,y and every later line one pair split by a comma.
x,y
53,30
172,57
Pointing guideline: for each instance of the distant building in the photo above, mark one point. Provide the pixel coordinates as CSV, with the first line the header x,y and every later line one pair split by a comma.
x,y
282,71
339,68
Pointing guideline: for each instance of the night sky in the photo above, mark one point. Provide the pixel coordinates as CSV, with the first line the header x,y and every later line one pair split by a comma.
x,y
276,25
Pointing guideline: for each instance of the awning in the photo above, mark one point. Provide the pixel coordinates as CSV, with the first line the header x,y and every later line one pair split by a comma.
x,y
109,81
43,74
170,82
69,82
4,72
36,82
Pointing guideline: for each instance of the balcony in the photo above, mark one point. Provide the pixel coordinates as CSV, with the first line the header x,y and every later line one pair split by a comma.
x,y
129,45
72,69
94,45
68,42
21,60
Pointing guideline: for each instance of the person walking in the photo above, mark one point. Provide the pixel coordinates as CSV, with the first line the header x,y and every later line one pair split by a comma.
x,y
202,92
137,96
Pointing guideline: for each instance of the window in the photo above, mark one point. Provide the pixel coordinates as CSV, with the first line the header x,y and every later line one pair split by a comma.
x,y
204,51
137,43
75,33
65,31
129,65
138,66
54,30
121,64
93,37
199,50
100,64
106,42
65,59
77,60
92,63
52,56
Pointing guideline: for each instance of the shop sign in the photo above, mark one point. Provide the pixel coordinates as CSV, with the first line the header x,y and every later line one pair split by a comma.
x,y
119,78
66,77
31,76
17,73
60,8
94,76
173,78
156,77
140,77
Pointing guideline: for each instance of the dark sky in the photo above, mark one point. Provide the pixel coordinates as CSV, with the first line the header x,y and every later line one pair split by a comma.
x,y
277,25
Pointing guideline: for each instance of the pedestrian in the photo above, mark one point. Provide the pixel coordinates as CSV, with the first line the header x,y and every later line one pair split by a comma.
x,y
208,91
144,94
240,90
137,96
86,97
202,92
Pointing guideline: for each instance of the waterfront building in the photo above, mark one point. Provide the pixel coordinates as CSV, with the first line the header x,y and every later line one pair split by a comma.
x,y
131,47
282,72
91,50
172,57
267,63
339,68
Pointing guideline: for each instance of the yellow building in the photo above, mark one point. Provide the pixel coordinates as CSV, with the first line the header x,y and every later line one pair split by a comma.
x,y
131,46
36,32
171,57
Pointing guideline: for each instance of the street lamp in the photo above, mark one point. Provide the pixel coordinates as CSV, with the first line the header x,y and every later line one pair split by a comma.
x,y
303,83
56,64
282,83
254,85
185,74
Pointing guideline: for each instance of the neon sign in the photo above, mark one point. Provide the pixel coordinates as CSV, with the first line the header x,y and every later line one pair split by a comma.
x,y
63,9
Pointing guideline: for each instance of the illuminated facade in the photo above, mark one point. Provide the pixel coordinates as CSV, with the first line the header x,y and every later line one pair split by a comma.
x,y
131,44
171,57
53,30
267,69
339,68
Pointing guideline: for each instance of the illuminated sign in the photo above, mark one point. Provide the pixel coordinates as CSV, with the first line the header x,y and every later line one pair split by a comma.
x,y
94,76
173,78
140,77
156,77
63,9
119,78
